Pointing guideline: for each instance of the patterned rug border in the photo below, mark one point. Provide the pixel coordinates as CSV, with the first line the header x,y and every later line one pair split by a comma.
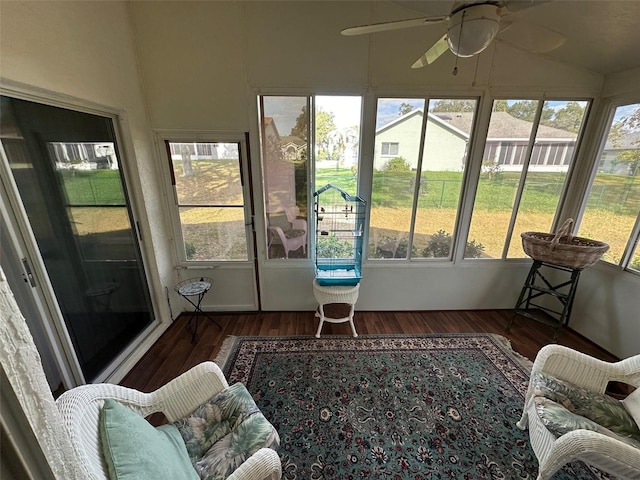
x,y
231,343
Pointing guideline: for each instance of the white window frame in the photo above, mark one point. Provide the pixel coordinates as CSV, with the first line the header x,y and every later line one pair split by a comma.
x,y
633,241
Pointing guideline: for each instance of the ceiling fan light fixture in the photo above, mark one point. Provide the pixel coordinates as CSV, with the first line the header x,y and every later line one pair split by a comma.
x,y
472,29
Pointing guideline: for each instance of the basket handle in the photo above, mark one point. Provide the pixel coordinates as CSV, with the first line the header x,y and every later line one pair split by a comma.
x,y
565,229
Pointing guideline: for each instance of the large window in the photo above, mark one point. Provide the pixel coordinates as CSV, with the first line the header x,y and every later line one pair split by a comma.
x,y
302,152
415,194
529,149
612,211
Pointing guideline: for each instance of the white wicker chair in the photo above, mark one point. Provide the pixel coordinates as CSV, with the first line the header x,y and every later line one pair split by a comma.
x,y
601,451
80,409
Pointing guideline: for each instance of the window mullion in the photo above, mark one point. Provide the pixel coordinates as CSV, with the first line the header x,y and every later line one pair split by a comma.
x,y
523,178
416,188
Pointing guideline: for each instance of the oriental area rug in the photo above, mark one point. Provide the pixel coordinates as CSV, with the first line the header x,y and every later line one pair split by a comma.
x,y
392,406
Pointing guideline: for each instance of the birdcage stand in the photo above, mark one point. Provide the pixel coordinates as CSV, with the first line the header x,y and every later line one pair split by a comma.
x,y
536,286
335,294
195,287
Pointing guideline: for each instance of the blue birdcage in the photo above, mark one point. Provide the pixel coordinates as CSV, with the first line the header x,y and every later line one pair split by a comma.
x,y
340,219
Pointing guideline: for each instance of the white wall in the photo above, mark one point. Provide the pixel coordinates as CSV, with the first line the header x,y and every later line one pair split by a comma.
x,y
202,64
82,54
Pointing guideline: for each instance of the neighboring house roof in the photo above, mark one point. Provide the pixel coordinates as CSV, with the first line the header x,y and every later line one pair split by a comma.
x,y
628,142
503,125
297,141
401,119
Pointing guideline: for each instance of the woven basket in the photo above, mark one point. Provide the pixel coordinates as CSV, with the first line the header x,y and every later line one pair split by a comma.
x,y
562,248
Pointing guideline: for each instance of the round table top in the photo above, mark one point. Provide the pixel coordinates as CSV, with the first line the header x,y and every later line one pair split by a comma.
x,y
194,288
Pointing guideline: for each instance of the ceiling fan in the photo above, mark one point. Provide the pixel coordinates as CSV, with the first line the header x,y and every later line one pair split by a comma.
x,y
471,27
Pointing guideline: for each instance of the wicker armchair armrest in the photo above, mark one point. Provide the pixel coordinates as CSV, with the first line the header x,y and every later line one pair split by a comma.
x,y
600,450
585,371
183,394
262,465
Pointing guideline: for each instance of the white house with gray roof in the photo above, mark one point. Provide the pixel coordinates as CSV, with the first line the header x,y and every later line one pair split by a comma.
x,y
447,136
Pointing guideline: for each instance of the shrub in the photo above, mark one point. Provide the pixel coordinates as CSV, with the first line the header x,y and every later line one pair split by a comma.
x,y
330,246
492,170
439,246
190,250
397,164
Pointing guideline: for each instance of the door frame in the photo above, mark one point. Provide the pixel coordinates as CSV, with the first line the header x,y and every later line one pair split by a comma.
x,y
123,362
239,275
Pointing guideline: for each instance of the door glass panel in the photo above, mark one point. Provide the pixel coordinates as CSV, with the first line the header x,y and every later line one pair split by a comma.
x,y
67,170
208,187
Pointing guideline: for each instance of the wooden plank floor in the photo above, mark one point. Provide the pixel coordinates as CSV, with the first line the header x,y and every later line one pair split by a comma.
x,y
174,353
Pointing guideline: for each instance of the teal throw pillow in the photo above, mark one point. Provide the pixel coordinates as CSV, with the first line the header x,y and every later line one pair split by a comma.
x,y
134,450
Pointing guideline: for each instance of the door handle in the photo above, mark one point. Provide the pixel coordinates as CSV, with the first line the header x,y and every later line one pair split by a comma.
x,y
28,275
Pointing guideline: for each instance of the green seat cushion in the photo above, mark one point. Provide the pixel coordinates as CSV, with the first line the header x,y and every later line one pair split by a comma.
x,y
598,409
134,450
225,431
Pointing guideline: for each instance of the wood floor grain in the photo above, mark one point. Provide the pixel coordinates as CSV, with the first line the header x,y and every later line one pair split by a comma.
x,y
174,353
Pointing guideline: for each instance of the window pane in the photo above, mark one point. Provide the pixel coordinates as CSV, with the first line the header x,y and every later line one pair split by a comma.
x,y
208,186
555,138
503,167
212,233
337,138
613,204
207,173
284,137
398,121
499,177
449,127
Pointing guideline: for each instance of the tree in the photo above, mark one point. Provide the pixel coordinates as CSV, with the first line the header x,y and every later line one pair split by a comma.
x,y
568,118
623,130
302,125
453,106
500,106
325,135
404,108
526,110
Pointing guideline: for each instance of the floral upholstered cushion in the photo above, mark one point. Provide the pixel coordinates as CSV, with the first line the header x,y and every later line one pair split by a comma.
x,y
560,420
225,431
582,409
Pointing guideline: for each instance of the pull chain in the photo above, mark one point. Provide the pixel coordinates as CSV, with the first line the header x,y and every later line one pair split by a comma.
x,y
455,67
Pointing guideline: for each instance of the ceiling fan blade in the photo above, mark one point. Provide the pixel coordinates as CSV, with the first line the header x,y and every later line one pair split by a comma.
x,y
519,5
383,27
531,37
433,53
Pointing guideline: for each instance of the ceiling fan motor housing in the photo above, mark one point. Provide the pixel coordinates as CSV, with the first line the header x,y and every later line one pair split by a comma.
x,y
472,29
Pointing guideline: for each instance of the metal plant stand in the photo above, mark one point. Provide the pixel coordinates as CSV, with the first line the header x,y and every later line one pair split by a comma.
x,y
537,285
195,287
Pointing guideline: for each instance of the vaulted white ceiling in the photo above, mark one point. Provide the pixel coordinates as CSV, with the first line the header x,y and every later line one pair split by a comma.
x,y
603,36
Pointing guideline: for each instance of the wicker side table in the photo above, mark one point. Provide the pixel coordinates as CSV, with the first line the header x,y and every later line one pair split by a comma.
x,y
326,295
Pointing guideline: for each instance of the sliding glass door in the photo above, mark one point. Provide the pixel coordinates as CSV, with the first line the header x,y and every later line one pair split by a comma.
x,y
67,172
